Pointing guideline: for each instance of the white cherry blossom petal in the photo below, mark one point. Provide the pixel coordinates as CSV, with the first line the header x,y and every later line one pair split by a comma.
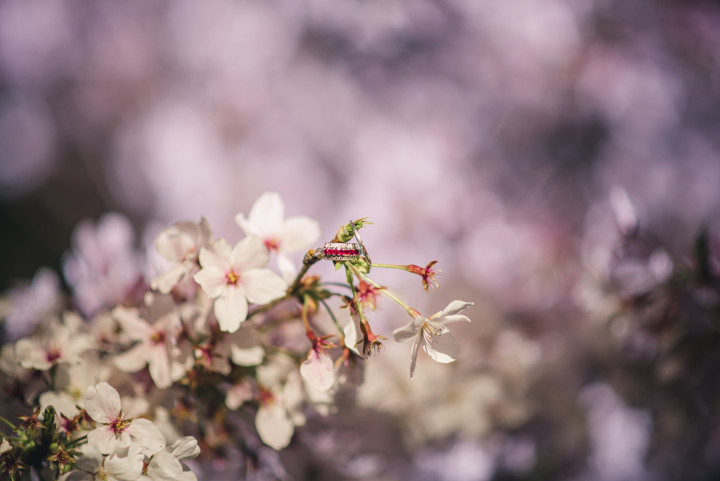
x,y
185,448
216,255
249,253
318,370
414,352
134,326
353,335
132,360
251,356
406,332
455,307
124,468
298,233
164,467
287,268
175,242
146,435
102,403
160,366
164,283
263,286
267,213
443,348
274,426
212,280
231,309
103,438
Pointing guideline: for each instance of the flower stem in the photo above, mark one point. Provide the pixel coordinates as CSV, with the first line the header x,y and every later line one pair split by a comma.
x,y
7,422
341,333
391,266
362,276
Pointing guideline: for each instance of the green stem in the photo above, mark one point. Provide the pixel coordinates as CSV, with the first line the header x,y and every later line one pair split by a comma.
x,y
391,266
339,284
7,422
334,319
75,441
308,261
362,276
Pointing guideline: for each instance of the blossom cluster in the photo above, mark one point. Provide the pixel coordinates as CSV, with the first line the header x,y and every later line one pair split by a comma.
x,y
219,345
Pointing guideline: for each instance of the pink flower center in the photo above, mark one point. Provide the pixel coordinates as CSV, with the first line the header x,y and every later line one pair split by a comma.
x,y
120,425
158,337
272,244
52,354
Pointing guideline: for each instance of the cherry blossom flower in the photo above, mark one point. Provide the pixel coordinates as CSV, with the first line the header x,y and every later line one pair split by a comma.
x,y
284,236
102,404
27,305
280,397
157,347
104,267
235,276
124,464
180,244
432,333
63,343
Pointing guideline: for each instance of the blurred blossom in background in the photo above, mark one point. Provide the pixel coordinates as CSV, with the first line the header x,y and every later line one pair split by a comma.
x,y
557,158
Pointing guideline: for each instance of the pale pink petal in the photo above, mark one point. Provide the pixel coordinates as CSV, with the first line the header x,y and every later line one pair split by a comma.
x,y
352,335
249,253
455,307
212,280
132,360
408,331
216,255
164,283
160,369
443,349
103,439
130,321
263,286
318,370
177,241
102,403
231,309
274,426
185,448
414,352
164,467
442,321
247,227
125,468
287,268
237,395
251,356
298,234
146,435
267,213
90,459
